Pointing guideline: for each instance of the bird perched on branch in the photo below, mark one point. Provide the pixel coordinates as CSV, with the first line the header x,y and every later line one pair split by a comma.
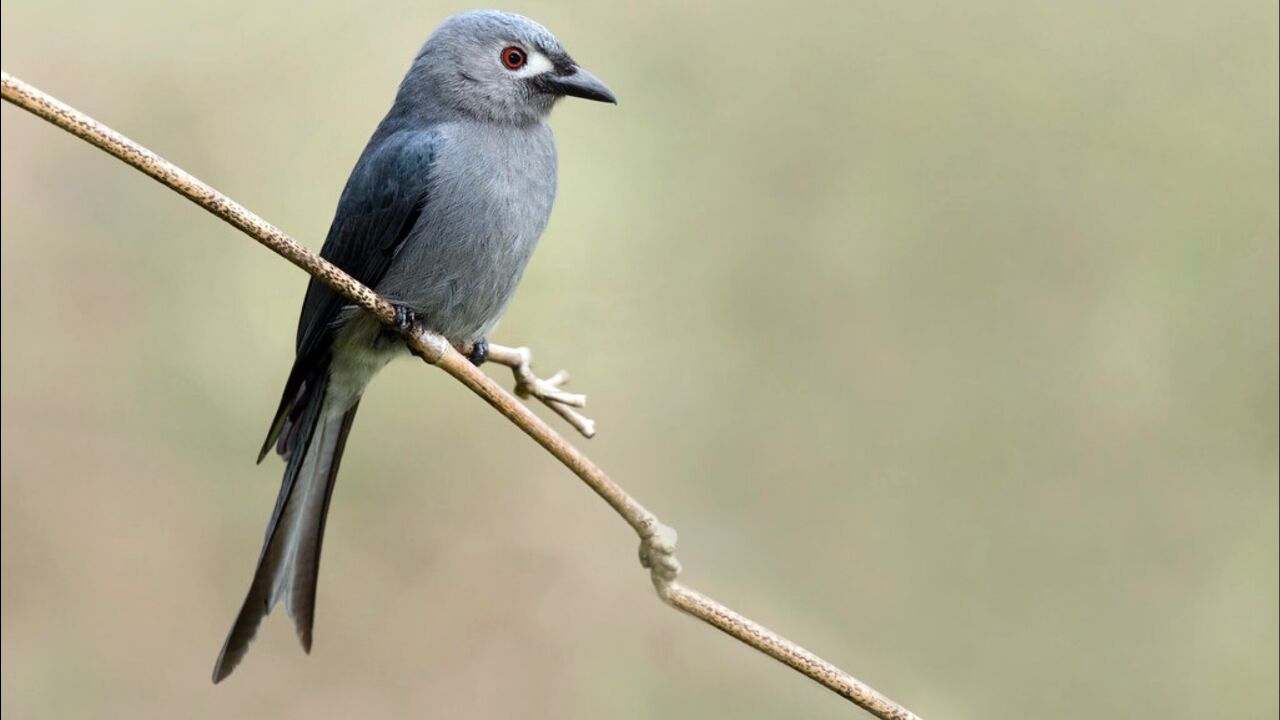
x,y
440,215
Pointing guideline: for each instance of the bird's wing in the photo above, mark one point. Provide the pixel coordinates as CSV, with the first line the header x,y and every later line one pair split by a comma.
x,y
384,198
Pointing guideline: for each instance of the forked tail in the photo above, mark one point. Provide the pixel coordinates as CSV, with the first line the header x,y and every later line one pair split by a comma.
x,y
290,559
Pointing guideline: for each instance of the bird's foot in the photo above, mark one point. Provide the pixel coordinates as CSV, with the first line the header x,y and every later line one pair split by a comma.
x,y
549,391
479,352
405,317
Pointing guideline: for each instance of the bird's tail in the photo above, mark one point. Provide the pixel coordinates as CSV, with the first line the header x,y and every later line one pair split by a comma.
x,y
290,556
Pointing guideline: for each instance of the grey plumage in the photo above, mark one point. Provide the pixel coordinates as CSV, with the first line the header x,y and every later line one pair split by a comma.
x,y
440,215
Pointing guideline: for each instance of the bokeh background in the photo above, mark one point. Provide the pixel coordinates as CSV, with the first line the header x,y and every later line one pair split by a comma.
x,y
946,335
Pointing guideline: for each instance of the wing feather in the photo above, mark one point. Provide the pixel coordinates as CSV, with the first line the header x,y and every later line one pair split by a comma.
x,y
384,199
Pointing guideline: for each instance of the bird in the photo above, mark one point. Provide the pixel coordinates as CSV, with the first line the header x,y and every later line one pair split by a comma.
x,y
440,216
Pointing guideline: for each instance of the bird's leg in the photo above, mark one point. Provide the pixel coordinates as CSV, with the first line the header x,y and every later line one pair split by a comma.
x,y
479,352
405,317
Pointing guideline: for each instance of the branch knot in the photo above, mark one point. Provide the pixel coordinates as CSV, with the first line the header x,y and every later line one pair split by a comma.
x,y
658,553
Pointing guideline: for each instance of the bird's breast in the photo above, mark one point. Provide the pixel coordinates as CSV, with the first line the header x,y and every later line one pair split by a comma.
x,y
489,198
497,184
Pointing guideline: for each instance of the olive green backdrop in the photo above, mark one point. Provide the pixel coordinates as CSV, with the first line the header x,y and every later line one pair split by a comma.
x,y
946,335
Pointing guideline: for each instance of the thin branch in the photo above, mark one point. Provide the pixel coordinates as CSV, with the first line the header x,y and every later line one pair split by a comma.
x,y
657,541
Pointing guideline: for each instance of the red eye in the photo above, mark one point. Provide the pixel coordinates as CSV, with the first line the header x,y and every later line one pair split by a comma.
x,y
513,58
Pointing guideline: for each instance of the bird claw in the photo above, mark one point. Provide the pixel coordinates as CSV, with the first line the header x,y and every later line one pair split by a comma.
x,y
405,317
479,352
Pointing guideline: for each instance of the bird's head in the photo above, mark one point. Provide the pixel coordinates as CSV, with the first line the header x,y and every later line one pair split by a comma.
x,y
498,66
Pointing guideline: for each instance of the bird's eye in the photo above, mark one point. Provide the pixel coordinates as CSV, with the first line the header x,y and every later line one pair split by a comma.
x,y
513,58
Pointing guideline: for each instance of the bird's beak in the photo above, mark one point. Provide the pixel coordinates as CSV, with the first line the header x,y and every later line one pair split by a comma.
x,y
578,83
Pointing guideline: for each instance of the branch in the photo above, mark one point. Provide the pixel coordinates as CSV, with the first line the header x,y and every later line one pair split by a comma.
x,y
657,541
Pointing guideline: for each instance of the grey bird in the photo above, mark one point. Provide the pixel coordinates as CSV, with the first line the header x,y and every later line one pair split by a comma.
x,y
440,215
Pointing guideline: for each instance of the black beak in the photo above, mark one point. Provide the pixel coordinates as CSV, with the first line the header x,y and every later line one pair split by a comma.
x,y
577,83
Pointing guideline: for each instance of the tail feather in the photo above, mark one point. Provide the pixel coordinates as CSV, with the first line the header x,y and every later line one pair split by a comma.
x,y
290,560
294,398
301,577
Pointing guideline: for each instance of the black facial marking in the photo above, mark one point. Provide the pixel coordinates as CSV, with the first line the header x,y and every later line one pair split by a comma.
x,y
563,64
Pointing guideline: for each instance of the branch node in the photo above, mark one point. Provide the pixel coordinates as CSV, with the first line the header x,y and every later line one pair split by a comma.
x,y
426,345
658,554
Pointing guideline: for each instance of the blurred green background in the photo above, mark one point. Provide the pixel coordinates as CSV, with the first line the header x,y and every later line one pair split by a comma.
x,y
945,334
